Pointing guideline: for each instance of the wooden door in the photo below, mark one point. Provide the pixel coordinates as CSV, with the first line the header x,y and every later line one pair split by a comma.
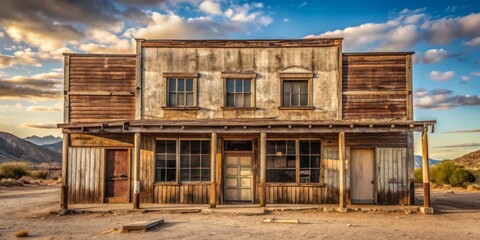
x,y
238,178
362,187
117,181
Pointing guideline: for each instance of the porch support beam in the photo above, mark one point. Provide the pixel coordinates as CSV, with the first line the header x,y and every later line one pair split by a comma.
x,y
64,197
136,171
425,168
341,173
213,167
263,173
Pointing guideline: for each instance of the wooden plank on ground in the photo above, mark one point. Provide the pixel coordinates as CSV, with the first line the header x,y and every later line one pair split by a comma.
x,y
143,225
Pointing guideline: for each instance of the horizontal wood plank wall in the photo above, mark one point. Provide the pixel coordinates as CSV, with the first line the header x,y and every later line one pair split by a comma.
x,y
86,175
374,87
91,77
182,194
391,172
147,168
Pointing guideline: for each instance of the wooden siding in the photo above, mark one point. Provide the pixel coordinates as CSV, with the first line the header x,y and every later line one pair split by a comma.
x,y
392,180
182,194
147,168
101,140
101,88
293,194
375,86
86,173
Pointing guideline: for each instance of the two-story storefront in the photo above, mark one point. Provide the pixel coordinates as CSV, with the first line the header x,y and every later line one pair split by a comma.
x,y
254,121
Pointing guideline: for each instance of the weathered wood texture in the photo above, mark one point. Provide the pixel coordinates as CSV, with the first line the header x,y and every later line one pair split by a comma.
x,y
391,171
147,168
97,75
182,193
101,140
86,174
293,194
374,87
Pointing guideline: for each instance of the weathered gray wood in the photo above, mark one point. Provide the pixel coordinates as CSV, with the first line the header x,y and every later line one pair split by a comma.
x,y
66,88
143,225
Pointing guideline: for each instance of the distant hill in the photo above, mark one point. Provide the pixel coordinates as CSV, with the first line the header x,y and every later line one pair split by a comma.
x,y
56,147
469,160
43,140
418,161
13,148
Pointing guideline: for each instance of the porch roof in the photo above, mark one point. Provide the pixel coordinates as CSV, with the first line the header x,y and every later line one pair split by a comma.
x,y
247,126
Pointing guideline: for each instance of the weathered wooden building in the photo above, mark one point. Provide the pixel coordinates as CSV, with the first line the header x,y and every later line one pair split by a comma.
x,y
254,121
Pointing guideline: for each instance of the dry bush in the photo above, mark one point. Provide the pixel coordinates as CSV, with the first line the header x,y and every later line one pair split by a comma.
x,y
22,233
13,170
11,183
39,174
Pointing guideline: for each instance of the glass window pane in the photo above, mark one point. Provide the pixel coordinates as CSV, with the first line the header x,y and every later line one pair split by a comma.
x,y
160,146
205,161
270,161
189,99
315,161
303,100
195,175
181,99
304,87
172,99
304,175
286,100
205,174
230,102
291,147
172,157
171,147
230,85
304,162
184,174
315,147
304,147
181,85
291,161
296,87
195,147
189,83
205,147
315,176
171,164
286,87
172,84
238,85
281,175
271,149
160,163
238,100
295,99
160,175
171,175
247,100
247,85
282,146
184,147
184,161
195,161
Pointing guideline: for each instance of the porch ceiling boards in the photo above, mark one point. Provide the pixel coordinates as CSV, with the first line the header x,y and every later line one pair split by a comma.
x,y
246,126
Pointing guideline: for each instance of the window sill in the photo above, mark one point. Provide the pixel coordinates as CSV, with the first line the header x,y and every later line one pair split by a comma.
x,y
239,108
180,108
296,108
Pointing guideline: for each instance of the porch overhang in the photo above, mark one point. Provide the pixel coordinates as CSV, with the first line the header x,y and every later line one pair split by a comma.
x,y
246,126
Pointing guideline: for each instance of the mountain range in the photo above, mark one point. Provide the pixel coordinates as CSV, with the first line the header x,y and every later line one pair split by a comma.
x,y
418,161
13,149
469,160
43,140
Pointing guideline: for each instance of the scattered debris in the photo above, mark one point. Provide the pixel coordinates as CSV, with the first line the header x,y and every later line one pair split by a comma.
x,y
273,220
22,233
143,225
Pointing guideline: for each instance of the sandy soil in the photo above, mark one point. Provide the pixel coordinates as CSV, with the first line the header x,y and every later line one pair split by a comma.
x,y
30,207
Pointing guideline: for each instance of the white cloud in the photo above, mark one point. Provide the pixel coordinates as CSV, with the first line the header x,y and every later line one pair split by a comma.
x,y
476,74
40,125
121,46
285,20
210,7
465,78
302,4
24,57
44,109
445,30
435,55
441,76
443,99
2,34
473,42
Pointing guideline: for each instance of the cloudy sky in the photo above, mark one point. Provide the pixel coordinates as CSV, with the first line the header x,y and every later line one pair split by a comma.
x,y
444,34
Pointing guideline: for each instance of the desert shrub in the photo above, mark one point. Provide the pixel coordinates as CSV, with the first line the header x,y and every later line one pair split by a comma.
x,y
8,182
441,172
22,233
40,174
13,170
418,175
461,176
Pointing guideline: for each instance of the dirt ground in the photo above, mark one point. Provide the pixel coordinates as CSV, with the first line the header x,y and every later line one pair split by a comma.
x,y
29,208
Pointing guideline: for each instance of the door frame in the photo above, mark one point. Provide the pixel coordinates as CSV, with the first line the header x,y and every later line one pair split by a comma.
x,y
374,173
130,182
239,154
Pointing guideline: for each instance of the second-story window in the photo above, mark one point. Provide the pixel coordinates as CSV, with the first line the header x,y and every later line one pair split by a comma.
x,y
295,93
239,92
180,92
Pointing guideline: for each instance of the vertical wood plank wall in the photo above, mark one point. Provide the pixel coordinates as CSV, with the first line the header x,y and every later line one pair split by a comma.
x,y
392,179
86,174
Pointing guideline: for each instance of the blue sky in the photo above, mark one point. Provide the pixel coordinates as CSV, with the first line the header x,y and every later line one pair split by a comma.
x,y
445,35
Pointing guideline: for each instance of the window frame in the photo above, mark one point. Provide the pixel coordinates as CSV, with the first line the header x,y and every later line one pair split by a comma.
x,y
308,77
194,76
177,159
321,181
239,76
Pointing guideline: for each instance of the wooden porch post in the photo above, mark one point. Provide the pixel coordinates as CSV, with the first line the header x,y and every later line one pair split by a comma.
x,y
263,171
213,168
425,166
341,174
136,171
64,197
